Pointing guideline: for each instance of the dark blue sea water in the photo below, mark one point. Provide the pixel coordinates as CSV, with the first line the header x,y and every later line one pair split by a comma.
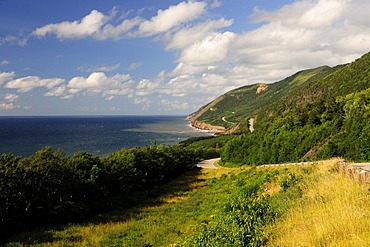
x,y
96,134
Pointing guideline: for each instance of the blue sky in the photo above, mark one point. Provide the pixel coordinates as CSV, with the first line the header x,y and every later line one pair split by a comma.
x,y
163,57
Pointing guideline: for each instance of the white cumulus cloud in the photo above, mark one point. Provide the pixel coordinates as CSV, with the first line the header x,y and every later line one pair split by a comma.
x,y
28,83
99,82
7,103
87,26
172,17
101,27
208,51
188,36
6,76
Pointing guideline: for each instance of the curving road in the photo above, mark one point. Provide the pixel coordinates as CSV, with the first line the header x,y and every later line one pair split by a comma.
x,y
208,164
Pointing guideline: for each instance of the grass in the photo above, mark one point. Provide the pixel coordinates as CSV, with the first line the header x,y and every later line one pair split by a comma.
x,y
315,205
170,212
333,211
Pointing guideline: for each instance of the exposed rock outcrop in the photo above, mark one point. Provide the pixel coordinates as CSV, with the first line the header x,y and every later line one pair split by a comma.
x,y
205,126
262,87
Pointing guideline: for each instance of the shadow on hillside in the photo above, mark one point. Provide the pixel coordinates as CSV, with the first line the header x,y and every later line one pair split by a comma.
x,y
122,210
131,207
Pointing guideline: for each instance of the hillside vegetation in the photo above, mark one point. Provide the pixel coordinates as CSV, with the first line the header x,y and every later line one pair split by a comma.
x,y
309,205
50,188
243,103
313,114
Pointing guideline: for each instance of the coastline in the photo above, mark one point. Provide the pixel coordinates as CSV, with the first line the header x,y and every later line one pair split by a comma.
x,y
206,127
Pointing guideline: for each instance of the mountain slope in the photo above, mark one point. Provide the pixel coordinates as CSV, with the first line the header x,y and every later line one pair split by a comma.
x,y
265,101
314,114
243,103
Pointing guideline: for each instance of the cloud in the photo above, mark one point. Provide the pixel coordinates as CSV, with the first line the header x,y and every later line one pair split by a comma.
x,y
28,83
100,27
4,62
59,91
188,36
300,35
134,66
216,4
100,68
147,87
144,102
6,106
174,104
99,82
11,97
7,103
172,17
6,76
11,40
85,27
208,51
116,32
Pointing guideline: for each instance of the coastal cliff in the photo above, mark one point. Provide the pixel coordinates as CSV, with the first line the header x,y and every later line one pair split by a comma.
x,y
205,126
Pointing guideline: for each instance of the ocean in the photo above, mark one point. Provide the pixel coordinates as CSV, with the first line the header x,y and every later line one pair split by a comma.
x,y
99,135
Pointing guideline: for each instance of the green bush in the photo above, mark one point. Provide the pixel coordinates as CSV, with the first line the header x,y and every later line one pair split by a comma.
x,y
50,188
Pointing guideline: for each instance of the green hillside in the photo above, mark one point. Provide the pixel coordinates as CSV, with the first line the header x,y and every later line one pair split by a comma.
x,y
236,107
243,103
317,113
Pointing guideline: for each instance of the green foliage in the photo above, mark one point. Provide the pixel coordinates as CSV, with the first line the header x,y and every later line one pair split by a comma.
x,y
239,105
288,181
49,188
242,218
313,114
241,224
207,142
321,129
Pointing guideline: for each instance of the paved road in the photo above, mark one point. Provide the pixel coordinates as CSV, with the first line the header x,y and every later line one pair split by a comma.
x,y
208,164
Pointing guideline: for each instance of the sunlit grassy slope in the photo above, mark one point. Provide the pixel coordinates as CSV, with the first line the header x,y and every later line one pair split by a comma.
x,y
313,205
333,211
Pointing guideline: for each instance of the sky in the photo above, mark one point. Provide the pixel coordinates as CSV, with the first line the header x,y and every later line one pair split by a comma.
x,y
163,57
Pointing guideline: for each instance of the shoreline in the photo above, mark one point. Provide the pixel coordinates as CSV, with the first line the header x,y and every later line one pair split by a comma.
x,y
206,127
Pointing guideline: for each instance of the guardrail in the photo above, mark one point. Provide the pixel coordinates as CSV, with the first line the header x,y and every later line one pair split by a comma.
x,y
287,164
356,171
359,171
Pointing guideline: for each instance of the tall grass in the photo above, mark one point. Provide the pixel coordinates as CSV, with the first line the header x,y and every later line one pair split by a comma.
x,y
333,211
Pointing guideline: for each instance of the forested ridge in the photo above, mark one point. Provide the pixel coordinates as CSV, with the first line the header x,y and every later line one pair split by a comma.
x,y
314,114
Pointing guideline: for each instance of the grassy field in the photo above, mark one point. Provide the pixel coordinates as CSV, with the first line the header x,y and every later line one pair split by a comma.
x,y
312,206
333,211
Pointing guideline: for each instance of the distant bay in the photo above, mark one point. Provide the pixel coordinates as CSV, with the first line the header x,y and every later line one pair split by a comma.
x,y
99,135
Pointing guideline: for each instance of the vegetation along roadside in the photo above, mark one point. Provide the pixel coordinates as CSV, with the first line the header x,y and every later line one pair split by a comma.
x,y
308,205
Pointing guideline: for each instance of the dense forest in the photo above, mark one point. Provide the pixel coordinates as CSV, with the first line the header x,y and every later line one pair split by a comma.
x,y
49,188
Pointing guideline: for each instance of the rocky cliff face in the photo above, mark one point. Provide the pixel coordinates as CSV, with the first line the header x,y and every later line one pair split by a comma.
x,y
205,126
